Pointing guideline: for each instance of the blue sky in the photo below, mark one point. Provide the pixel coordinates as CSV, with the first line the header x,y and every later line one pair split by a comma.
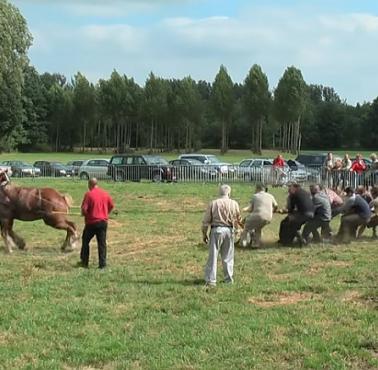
x,y
333,42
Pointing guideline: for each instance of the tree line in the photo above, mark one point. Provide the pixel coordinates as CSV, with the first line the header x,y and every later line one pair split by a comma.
x,y
49,112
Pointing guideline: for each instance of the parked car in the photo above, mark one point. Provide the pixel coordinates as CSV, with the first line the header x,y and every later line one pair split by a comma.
x,y
75,165
55,169
298,172
192,169
94,168
312,160
134,167
256,169
223,168
6,168
22,169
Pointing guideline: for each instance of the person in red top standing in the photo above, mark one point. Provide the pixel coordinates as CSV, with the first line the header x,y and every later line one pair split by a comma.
x,y
278,169
96,206
358,167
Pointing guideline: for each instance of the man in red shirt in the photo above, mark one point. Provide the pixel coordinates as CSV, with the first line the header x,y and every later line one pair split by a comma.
x,y
96,206
278,169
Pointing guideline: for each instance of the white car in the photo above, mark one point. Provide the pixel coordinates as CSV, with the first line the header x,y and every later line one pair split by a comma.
x,y
94,168
211,160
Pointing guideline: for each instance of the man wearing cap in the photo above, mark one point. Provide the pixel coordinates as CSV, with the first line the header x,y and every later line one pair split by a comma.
x,y
356,212
222,216
96,206
262,206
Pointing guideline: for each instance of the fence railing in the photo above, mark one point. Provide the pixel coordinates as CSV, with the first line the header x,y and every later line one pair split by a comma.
x,y
231,174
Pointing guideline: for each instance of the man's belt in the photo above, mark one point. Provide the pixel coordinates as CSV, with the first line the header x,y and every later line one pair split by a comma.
x,y
228,226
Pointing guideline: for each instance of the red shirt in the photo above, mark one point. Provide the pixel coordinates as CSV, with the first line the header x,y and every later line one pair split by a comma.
x,y
358,166
96,206
278,162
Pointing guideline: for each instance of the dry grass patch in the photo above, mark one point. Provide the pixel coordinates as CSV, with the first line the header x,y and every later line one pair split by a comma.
x,y
282,299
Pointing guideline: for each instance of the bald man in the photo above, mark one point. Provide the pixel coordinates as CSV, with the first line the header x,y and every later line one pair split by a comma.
x,y
96,206
222,216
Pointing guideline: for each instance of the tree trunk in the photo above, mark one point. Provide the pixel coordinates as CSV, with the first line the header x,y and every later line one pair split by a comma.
x,y
224,137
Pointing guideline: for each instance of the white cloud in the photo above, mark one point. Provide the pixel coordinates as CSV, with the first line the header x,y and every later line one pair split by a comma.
x,y
333,49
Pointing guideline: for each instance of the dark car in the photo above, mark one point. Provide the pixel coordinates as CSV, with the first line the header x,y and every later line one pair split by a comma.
x,y
55,169
22,169
134,167
312,160
193,169
75,165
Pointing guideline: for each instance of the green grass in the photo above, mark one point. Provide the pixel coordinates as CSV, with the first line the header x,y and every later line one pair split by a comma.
x,y
289,308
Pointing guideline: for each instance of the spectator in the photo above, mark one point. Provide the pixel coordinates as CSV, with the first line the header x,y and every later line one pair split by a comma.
x,y
358,168
346,165
278,169
222,216
322,217
96,206
261,207
328,169
356,212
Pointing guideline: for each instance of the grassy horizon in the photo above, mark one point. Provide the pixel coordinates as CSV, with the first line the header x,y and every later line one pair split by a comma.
x,y
289,308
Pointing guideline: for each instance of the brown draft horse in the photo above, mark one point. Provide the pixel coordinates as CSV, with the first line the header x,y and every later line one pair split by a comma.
x,y
30,204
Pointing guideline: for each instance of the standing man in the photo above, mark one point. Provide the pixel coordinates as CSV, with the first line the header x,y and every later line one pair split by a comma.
x,y
96,206
261,207
322,217
222,216
278,169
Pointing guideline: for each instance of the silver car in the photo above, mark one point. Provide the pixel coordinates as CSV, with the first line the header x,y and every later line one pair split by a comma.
x,y
94,168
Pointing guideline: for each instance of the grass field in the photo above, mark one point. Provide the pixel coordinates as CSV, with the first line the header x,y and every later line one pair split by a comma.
x,y
289,308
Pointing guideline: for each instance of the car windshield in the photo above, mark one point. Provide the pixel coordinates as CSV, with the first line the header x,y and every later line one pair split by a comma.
x,y
155,160
245,163
213,159
311,159
57,165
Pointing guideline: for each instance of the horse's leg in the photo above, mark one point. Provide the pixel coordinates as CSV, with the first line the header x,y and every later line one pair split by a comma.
x,y
20,242
6,229
60,223
73,237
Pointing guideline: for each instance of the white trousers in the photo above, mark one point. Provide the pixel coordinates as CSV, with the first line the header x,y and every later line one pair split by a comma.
x,y
221,240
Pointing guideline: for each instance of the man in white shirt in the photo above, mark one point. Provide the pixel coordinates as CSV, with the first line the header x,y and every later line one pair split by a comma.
x,y
261,210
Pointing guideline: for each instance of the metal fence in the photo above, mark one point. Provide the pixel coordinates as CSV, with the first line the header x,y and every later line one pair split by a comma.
x,y
231,174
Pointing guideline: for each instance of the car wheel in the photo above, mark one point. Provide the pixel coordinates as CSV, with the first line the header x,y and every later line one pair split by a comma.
x,y
84,176
156,177
119,176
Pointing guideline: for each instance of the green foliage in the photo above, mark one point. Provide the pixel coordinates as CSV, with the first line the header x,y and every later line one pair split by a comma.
x,y
289,96
223,102
15,40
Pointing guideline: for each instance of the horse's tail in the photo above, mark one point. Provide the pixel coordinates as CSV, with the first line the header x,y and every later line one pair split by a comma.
x,y
68,199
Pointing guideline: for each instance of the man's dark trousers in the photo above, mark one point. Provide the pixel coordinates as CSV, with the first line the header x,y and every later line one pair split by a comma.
x,y
98,229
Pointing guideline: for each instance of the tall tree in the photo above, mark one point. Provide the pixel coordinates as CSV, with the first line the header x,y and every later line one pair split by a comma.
x,y
257,101
223,101
15,40
289,104
84,99
156,104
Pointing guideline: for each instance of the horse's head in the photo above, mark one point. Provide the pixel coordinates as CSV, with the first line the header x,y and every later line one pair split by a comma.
x,y
4,179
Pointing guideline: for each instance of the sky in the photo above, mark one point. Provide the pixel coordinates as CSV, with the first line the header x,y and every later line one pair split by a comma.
x,y
334,42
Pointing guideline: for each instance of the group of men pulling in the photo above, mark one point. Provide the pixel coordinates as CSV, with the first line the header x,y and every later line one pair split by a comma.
x,y
313,210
